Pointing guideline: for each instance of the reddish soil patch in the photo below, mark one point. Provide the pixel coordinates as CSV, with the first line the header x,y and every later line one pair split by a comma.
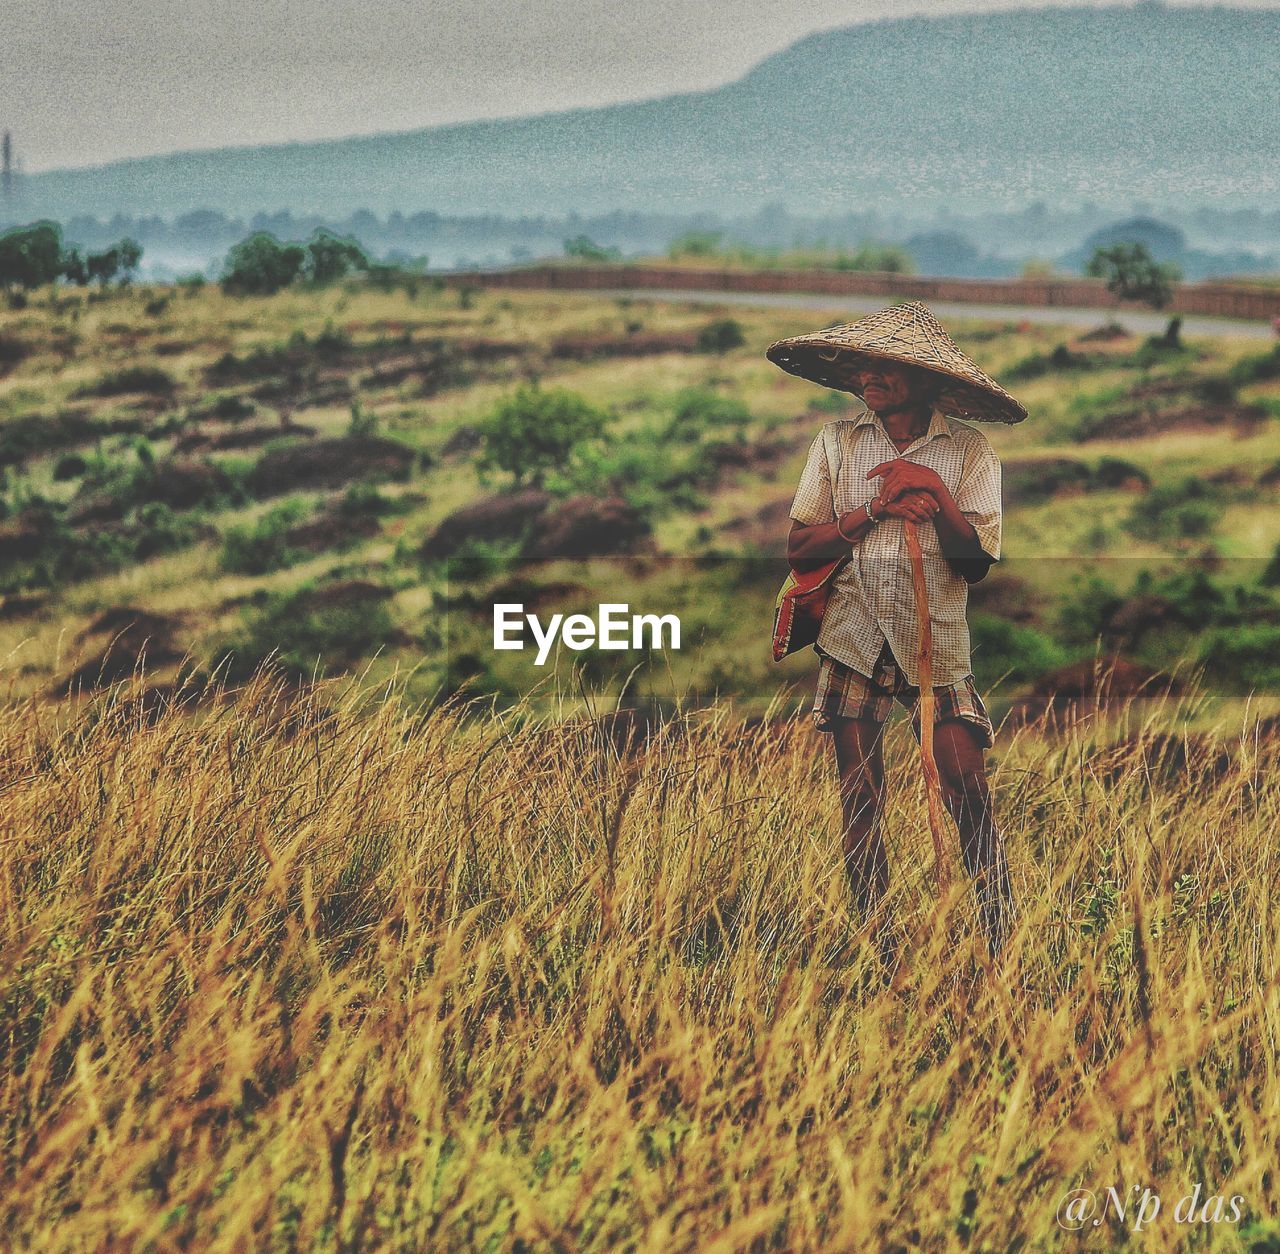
x,y
499,517
587,527
1039,478
129,637
15,607
1086,687
347,594
330,463
242,437
1007,596
466,439
332,530
766,528
1164,758
641,344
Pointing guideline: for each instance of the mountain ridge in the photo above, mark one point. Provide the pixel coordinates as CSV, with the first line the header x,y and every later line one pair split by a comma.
x,y
1065,104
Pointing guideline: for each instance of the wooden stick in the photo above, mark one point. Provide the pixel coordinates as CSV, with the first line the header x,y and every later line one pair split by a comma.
x,y
932,784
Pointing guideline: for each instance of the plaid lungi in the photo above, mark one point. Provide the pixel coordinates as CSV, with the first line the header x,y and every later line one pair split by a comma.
x,y
846,693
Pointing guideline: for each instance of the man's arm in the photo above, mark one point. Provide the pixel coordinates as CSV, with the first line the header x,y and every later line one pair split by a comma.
x,y
811,545
957,536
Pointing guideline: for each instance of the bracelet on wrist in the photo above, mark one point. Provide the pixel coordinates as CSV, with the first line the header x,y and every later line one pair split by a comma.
x,y
840,529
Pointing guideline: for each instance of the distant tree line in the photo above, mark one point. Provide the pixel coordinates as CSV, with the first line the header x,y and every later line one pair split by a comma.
x,y
35,255
261,264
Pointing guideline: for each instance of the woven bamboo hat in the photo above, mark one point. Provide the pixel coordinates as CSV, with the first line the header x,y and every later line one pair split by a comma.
x,y
906,333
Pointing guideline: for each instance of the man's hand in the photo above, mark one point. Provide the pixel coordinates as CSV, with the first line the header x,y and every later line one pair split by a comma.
x,y
913,506
902,476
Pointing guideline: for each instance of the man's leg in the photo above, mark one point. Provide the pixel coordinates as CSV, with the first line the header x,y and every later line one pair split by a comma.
x,y
958,751
860,759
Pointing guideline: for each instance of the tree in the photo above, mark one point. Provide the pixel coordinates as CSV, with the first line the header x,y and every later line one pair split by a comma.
x,y
31,256
260,265
74,269
130,253
584,248
535,431
330,256
1133,274
103,266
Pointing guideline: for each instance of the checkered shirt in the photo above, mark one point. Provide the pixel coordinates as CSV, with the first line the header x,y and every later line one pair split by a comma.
x,y
872,598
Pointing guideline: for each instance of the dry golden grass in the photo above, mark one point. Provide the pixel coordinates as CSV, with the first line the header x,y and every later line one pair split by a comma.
x,y
322,972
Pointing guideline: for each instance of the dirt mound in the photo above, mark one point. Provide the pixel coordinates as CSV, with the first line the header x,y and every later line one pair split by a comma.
x,y
329,463
500,517
1027,479
1140,614
1163,758
586,527
641,344
242,437
466,439
537,596
15,607
764,528
1082,688
1107,333
332,529
127,637
347,594
1157,406
176,482
1006,596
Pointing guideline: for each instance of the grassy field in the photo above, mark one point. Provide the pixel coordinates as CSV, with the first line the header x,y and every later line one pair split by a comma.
x,y
215,475
323,972
446,952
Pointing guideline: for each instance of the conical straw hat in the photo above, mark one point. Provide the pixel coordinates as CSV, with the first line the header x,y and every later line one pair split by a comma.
x,y
907,333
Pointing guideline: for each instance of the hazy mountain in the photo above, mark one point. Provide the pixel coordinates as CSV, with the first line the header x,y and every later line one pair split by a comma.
x,y
976,111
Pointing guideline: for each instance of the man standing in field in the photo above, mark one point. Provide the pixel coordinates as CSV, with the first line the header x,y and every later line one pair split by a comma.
x,y
906,458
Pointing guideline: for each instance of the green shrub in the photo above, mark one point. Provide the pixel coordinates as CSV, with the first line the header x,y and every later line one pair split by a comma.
x,y
1184,510
535,431
698,413
1010,650
149,379
721,336
1243,658
264,546
1256,368
310,629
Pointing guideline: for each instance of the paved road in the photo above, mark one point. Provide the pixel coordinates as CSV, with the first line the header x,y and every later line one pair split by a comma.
x,y
1139,321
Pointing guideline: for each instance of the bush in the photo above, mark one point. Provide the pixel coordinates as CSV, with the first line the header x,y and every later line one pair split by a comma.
x,y
1243,658
1002,649
311,628
1184,510
721,336
536,431
69,466
1257,368
264,546
151,380
700,412
260,265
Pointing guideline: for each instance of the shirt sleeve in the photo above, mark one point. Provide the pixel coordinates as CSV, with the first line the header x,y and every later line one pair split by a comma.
x,y
978,495
812,504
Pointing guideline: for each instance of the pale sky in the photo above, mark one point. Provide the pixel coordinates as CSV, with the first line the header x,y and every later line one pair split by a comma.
x,y
84,82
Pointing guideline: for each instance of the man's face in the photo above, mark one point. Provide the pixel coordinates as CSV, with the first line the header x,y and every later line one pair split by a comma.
x,y
888,385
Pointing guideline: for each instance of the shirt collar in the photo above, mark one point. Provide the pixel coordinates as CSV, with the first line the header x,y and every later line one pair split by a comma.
x,y
937,424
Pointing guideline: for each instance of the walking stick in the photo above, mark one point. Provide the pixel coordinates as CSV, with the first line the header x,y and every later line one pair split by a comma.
x,y
932,784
